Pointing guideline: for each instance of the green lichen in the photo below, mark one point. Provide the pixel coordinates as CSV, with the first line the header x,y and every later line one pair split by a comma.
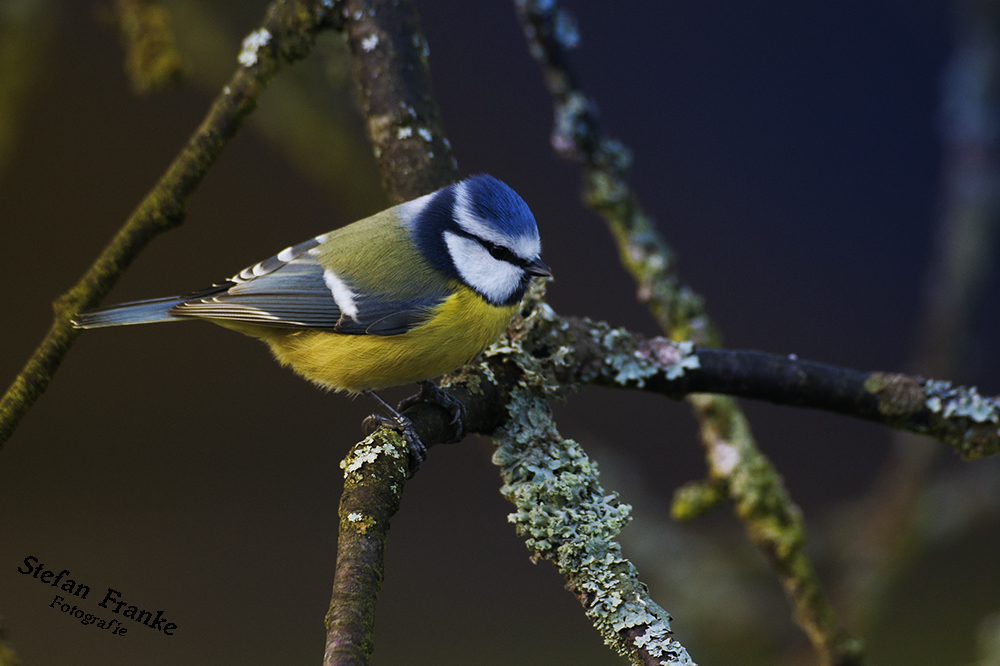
x,y
568,518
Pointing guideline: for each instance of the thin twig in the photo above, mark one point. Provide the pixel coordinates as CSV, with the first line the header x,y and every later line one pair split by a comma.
x,y
880,534
152,61
286,34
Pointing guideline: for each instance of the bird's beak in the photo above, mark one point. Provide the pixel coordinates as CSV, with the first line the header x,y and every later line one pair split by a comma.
x,y
538,267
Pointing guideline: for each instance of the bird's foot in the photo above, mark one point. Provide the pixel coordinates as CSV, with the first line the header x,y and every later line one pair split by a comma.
x,y
396,421
430,392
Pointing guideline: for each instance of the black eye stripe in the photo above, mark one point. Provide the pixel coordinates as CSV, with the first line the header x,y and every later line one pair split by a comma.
x,y
498,252
501,253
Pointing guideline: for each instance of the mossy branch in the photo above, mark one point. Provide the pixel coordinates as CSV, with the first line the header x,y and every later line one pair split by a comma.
x,y
286,34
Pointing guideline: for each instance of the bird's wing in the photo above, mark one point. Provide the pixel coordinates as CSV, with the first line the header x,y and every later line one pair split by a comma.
x,y
289,290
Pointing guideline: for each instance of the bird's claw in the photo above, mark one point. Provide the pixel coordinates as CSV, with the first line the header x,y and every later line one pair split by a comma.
x,y
403,425
430,392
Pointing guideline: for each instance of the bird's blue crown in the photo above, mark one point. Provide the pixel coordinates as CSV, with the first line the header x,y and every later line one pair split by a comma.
x,y
488,200
494,202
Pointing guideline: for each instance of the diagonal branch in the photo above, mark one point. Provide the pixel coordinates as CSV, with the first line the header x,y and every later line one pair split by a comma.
x,y
286,35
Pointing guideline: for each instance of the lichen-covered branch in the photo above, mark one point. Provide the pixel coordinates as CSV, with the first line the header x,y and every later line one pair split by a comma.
x,y
372,466
551,32
562,509
568,518
595,353
286,35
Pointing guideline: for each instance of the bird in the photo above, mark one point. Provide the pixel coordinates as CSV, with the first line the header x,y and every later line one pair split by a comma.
x,y
400,297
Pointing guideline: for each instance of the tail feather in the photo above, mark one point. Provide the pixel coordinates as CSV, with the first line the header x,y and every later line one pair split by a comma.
x,y
138,312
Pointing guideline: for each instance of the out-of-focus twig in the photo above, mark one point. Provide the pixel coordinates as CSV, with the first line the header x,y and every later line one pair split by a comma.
x,y
152,61
989,641
737,468
24,28
886,529
7,655
286,34
309,115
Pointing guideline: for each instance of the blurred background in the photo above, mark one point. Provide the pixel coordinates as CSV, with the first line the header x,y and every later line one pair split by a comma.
x,y
824,171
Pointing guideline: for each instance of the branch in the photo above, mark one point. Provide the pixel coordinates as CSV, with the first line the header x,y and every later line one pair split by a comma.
x,y
394,84
568,518
594,353
286,34
389,55
755,487
880,533
390,64
373,465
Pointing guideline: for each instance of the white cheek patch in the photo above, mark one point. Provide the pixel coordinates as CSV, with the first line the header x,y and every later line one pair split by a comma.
x,y
342,294
494,279
526,247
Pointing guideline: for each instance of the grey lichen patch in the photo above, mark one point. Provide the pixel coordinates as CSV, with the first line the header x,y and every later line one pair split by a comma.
x,y
633,366
533,315
252,43
568,518
672,357
958,401
629,366
571,123
365,453
966,420
565,29
466,378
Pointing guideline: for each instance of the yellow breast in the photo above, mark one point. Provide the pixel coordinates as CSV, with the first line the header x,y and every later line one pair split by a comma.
x,y
462,327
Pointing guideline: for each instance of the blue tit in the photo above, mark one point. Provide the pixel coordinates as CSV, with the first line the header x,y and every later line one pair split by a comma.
x,y
399,297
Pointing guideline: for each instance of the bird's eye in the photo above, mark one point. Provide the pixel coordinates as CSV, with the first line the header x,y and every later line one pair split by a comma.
x,y
498,252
